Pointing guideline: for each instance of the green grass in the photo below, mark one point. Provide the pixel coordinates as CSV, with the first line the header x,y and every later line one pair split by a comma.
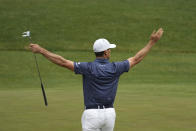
x,y
158,94
69,24
139,107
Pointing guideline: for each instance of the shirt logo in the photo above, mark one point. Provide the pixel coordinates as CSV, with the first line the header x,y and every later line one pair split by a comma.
x,y
77,64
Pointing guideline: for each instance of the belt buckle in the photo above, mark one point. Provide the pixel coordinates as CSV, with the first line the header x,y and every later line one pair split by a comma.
x,y
101,107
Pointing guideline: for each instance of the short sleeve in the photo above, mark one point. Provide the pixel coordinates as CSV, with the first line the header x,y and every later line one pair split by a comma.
x,y
80,67
122,66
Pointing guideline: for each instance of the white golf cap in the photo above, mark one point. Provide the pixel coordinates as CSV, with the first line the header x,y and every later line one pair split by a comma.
x,y
102,45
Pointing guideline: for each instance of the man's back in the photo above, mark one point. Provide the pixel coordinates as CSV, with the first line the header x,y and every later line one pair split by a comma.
x,y
100,80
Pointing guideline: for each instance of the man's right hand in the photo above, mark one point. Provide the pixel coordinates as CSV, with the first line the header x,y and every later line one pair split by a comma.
x,y
35,48
57,59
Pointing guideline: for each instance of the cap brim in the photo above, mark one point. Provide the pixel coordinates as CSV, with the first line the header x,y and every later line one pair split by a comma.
x,y
112,46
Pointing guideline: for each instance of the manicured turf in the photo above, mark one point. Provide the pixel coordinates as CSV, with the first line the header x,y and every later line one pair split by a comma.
x,y
159,94
148,107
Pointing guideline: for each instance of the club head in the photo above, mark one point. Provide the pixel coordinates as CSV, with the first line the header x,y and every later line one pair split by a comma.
x,y
26,34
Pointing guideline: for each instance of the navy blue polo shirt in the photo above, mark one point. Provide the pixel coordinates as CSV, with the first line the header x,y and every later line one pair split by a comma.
x,y
100,80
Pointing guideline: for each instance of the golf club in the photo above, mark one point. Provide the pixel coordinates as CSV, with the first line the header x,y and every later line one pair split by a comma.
x,y
28,35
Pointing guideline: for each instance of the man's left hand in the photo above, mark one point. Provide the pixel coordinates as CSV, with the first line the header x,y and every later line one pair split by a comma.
x,y
156,35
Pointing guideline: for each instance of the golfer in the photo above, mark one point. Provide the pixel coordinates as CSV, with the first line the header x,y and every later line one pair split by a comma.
x,y
100,80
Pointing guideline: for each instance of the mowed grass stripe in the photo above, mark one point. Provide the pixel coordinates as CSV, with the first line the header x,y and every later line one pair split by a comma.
x,y
18,69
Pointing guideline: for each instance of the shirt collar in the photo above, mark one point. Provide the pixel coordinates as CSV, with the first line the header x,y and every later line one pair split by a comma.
x,y
101,60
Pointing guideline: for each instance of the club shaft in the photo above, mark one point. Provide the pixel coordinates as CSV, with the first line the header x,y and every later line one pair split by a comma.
x,y
43,91
37,67
42,86
44,95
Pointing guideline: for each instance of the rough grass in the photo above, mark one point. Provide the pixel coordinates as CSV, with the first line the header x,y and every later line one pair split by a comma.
x,y
75,24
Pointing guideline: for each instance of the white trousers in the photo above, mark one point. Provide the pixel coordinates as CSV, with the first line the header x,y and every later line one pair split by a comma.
x,y
98,119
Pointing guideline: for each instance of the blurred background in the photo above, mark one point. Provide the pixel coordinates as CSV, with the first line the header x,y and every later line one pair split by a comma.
x,y
159,94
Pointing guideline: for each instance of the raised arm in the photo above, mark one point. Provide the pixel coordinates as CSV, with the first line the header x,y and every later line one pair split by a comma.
x,y
155,36
57,59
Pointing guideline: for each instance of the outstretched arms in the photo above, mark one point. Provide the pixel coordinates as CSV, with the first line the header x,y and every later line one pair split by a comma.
x,y
57,59
155,36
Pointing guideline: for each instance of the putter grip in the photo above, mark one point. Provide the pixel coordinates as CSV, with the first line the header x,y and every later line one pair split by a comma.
x,y
44,95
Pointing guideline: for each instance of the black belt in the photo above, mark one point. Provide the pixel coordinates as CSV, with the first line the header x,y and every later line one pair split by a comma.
x,y
98,106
